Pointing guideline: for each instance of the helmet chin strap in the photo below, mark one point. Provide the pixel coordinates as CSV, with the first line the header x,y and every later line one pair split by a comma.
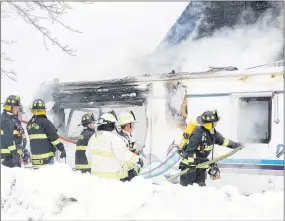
x,y
213,128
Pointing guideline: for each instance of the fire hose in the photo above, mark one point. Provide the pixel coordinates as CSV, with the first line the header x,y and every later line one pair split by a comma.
x,y
201,165
61,137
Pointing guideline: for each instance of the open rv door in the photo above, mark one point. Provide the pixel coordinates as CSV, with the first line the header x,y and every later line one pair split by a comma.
x,y
72,100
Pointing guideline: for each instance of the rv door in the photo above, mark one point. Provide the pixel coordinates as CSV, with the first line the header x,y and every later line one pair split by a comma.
x,y
277,138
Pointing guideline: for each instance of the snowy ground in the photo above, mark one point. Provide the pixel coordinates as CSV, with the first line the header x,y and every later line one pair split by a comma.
x,y
45,194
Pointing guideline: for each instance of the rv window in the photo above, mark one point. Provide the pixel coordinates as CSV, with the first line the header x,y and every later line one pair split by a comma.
x,y
74,130
254,123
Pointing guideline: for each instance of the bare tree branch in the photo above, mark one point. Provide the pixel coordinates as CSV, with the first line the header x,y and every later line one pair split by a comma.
x,y
8,74
3,56
34,21
45,43
68,27
4,13
53,17
8,42
28,12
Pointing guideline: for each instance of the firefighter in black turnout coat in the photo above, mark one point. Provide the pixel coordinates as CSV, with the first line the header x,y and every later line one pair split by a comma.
x,y
43,136
200,145
9,156
81,162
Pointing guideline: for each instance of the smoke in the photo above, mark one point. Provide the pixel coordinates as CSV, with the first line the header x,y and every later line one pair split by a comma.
x,y
112,32
121,40
241,46
118,40
253,120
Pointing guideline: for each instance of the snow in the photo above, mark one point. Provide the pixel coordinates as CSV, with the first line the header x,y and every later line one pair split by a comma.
x,y
43,195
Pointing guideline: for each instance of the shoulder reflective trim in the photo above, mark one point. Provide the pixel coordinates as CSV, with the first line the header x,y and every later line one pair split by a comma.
x,y
82,166
42,156
37,136
15,132
114,175
81,147
1,132
226,142
11,148
56,142
103,153
20,152
5,151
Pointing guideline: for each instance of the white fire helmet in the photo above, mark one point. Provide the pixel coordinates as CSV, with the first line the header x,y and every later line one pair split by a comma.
x,y
107,118
126,118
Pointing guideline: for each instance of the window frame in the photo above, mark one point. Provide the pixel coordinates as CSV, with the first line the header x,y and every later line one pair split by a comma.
x,y
269,117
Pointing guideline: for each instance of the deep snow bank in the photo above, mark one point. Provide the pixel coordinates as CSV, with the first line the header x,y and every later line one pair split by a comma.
x,y
49,194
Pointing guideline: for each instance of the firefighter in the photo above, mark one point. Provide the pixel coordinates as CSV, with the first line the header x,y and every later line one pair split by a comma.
x,y
20,138
9,156
43,136
201,142
126,121
107,152
81,163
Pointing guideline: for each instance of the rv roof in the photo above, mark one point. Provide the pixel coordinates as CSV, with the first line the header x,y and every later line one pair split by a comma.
x,y
180,75
132,89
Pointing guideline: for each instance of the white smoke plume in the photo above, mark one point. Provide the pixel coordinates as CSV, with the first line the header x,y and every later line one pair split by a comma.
x,y
242,47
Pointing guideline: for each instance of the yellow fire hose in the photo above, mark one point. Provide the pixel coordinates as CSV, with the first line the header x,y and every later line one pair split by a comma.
x,y
201,165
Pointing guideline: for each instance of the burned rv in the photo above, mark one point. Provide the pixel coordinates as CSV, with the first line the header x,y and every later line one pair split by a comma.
x,y
250,103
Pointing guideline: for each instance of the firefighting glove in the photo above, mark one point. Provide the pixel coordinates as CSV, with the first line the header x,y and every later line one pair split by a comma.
x,y
25,156
140,162
63,154
237,144
16,160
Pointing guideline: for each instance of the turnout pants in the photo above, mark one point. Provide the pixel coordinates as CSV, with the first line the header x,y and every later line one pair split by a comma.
x,y
194,176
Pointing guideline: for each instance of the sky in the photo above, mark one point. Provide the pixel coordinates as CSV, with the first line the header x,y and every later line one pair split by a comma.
x,y
112,33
